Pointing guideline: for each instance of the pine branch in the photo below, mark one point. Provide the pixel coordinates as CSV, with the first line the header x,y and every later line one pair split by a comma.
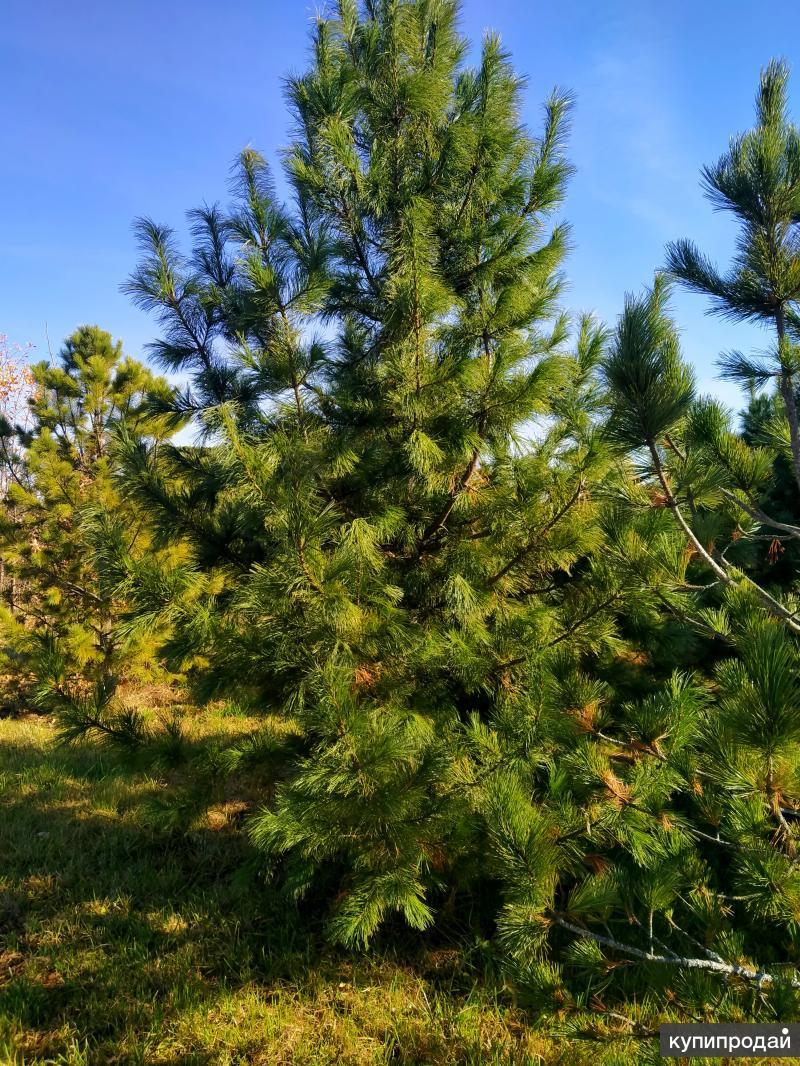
x,y
439,523
760,516
570,629
601,606
772,605
787,389
729,969
523,552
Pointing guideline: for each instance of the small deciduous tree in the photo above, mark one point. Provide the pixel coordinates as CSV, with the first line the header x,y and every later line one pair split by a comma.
x,y
16,388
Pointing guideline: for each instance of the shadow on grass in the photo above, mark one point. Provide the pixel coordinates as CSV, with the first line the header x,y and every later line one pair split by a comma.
x,y
115,935
108,925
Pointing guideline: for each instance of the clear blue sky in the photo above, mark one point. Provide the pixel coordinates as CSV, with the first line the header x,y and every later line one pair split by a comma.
x,y
115,109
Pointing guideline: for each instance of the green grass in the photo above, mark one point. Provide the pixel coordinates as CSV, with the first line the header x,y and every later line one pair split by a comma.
x,y
120,943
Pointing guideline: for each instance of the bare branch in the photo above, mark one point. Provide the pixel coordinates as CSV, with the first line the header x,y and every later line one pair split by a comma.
x,y
729,969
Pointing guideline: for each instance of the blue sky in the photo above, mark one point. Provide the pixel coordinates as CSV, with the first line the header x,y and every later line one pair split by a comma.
x,y
113,110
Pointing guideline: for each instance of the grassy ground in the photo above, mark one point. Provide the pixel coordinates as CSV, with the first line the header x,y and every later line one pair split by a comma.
x,y
123,944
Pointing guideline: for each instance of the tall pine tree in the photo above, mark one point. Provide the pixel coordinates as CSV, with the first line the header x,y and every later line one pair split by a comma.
x,y
392,524
407,533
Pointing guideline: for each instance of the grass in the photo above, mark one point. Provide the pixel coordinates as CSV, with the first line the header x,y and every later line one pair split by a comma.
x,y
121,943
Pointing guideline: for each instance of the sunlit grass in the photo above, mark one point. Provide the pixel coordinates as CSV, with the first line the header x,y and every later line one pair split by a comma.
x,y
120,943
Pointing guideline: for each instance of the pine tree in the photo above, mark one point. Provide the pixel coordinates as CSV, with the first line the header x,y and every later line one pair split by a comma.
x,y
408,534
715,476
758,181
393,524
62,617
728,797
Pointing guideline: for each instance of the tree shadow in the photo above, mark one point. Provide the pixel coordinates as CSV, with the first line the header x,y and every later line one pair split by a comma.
x,y
109,925
114,931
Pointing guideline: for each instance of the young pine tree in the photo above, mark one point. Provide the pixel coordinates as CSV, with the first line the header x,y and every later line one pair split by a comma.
x,y
716,482
62,514
393,525
715,757
406,535
758,181
732,781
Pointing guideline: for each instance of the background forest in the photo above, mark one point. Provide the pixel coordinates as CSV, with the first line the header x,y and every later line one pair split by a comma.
x,y
429,616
